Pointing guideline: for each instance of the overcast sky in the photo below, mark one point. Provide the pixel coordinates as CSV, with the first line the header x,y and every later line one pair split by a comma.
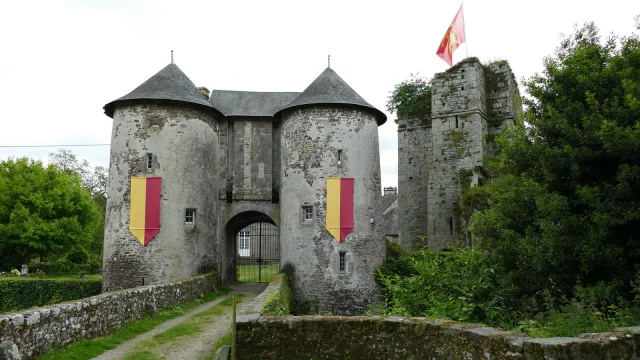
x,y
61,61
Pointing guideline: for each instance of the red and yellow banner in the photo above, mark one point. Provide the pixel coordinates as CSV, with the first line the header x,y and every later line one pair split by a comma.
x,y
144,223
453,38
339,207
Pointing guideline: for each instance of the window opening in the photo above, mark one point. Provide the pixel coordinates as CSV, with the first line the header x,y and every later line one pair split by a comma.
x,y
307,213
339,157
244,246
343,262
149,160
451,225
456,121
190,216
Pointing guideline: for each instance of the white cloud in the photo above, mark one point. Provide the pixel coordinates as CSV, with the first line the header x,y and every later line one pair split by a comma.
x,y
61,61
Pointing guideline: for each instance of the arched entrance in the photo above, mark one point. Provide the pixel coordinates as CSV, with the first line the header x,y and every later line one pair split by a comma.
x,y
253,248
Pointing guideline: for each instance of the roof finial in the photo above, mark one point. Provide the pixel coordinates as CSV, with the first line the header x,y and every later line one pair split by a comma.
x,y
329,61
172,56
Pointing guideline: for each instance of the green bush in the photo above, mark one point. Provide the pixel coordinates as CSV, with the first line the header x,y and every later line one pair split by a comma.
x,y
279,302
25,293
459,285
78,255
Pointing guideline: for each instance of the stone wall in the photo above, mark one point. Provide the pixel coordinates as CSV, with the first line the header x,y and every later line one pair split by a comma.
x,y
27,334
414,165
372,338
182,141
313,140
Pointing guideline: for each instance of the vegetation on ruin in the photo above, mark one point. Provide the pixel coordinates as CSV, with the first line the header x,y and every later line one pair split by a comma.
x,y
557,229
411,98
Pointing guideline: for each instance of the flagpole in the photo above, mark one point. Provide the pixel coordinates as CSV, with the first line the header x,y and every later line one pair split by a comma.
x,y
464,28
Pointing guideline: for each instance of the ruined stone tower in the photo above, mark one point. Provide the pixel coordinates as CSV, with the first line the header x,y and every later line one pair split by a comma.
x,y
470,104
239,158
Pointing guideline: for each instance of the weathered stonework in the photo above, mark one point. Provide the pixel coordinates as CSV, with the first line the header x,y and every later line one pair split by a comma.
x,y
311,139
31,333
183,143
470,104
240,158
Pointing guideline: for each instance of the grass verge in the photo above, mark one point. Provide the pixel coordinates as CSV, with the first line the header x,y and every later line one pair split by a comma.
x,y
180,331
86,349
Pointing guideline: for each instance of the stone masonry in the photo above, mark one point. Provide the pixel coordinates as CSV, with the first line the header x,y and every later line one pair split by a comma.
x,y
471,103
235,158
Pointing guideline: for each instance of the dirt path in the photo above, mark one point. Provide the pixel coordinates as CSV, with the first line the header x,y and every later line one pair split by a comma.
x,y
198,345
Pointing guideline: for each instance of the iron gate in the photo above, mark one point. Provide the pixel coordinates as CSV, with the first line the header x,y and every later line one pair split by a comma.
x,y
257,253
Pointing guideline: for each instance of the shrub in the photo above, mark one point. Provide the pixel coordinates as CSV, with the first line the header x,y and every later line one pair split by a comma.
x,y
459,285
279,302
78,255
24,294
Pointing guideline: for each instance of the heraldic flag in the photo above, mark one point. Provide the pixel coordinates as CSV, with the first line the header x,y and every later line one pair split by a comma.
x,y
145,208
453,38
340,207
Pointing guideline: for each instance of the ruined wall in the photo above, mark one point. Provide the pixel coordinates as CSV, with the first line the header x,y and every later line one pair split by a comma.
x,y
458,109
310,140
183,143
414,165
470,104
27,334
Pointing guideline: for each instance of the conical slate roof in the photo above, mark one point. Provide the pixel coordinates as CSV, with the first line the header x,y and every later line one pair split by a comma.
x,y
329,88
169,84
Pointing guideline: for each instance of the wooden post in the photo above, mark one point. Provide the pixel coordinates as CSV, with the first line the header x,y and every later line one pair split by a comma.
x,y
233,329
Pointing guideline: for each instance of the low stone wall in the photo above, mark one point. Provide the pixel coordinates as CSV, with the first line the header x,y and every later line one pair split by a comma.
x,y
27,334
385,338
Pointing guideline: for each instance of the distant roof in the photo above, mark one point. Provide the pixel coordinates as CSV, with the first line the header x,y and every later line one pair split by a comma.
x,y
169,84
329,88
249,103
387,200
391,223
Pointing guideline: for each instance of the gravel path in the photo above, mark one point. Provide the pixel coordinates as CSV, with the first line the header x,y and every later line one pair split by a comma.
x,y
196,346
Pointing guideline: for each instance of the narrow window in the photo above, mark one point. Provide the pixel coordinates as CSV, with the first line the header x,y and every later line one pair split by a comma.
x,y
451,225
149,160
190,216
343,262
339,157
456,121
307,213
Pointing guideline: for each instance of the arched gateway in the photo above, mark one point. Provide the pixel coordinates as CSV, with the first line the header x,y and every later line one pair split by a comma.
x,y
253,248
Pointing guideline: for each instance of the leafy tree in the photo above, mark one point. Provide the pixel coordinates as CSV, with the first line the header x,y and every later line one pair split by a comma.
x,y
94,179
567,209
43,210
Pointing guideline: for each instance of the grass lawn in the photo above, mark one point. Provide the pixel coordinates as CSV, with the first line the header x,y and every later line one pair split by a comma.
x,y
249,273
90,348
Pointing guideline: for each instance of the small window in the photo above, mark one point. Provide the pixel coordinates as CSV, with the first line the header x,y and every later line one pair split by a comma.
x,y
190,216
339,157
451,225
307,213
343,262
149,160
456,121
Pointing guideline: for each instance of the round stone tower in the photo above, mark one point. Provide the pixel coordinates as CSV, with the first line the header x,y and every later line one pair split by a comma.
x,y
329,131
167,130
